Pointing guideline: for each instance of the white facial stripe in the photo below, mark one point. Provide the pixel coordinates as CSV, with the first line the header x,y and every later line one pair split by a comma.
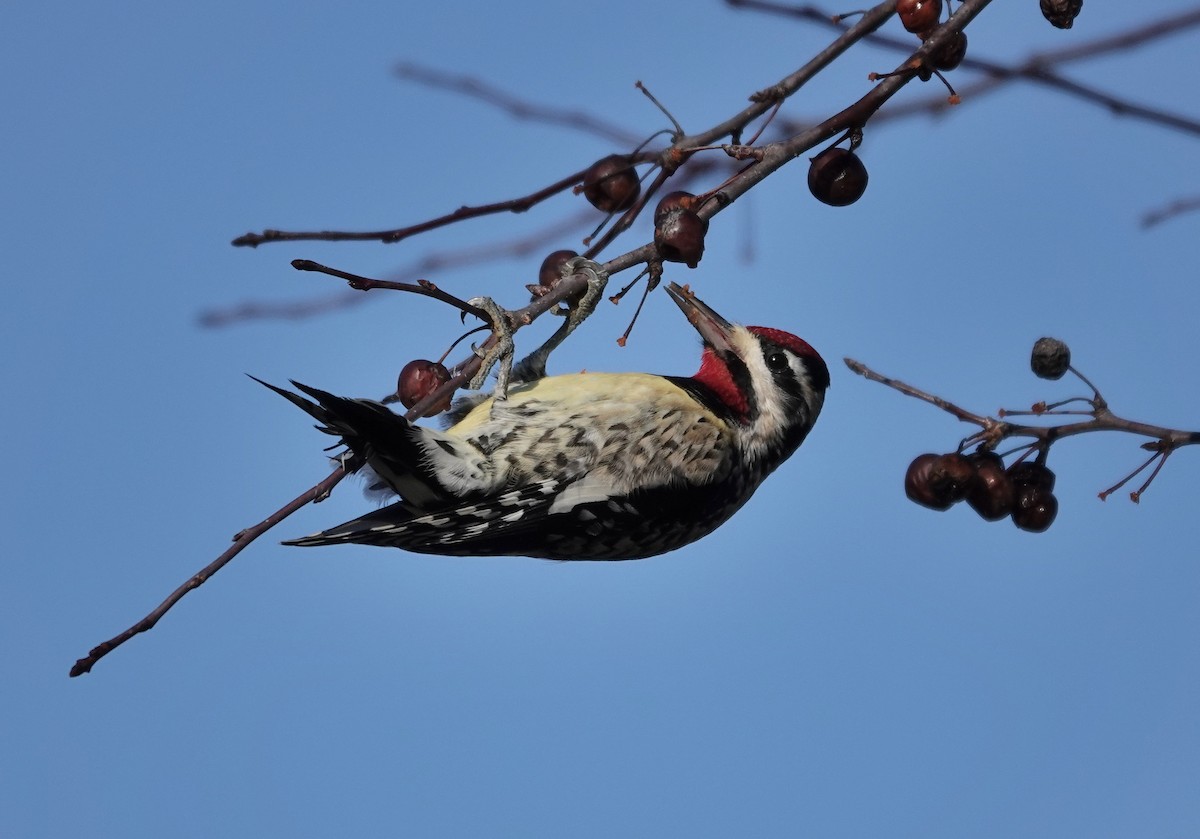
x,y
775,415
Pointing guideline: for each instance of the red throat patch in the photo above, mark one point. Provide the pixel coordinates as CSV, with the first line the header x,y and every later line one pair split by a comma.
x,y
715,374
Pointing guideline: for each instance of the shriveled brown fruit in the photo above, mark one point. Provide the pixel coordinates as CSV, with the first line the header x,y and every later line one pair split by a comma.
x,y
550,274
611,184
951,53
938,481
420,378
1035,510
1050,359
1031,473
991,493
919,16
678,230
837,177
1061,13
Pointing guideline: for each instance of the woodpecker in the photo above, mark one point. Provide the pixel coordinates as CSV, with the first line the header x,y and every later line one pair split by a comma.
x,y
596,466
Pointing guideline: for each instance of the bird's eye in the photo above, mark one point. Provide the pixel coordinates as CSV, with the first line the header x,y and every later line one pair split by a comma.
x,y
778,361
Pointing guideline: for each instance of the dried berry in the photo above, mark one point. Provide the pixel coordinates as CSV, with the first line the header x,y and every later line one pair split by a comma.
x,y
919,16
951,53
550,274
611,184
918,485
1051,358
420,378
956,474
837,177
1031,474
938,481
672,201
678,230
680,237
1035,509
991,493
1061,13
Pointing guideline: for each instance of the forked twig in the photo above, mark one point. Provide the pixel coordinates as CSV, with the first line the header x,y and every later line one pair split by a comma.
x,y
993,430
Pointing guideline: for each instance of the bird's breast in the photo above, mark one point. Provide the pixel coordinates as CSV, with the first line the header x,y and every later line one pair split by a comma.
x,y
624,430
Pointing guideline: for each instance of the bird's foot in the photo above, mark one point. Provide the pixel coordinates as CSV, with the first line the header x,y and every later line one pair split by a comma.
x,y
500,351
597,279
533,366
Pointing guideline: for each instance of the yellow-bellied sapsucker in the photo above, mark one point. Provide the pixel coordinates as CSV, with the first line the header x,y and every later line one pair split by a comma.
x,y
591,465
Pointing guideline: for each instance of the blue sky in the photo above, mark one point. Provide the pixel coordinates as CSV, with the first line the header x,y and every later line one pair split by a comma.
x,y
833,662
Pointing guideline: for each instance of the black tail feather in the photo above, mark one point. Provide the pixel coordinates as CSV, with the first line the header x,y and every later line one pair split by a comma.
x,y
315,411
375,435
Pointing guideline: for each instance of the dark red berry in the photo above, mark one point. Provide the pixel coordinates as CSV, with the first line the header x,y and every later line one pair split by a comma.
x,y
956,474
1035,509
837,177
1031,473
678,230
951,53
611,184
680,237
420,378
672,201
938,481
919,16
991,493
1061,13
919,487
550,273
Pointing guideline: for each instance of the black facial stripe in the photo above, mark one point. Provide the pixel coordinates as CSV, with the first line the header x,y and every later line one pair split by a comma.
x,y
785,378
741,377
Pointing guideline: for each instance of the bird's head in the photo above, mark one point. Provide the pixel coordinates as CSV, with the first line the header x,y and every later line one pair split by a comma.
x,y
771,382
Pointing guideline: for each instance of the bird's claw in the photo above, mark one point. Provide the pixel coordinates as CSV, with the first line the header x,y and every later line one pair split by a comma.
x,y
533,366
597,279
500,351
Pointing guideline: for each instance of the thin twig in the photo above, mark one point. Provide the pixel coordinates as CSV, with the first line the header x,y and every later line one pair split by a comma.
x,y
520,108
1102,418
429,264
423,287
461,374
1164,440
241,541
513,205
1176,208
1036,69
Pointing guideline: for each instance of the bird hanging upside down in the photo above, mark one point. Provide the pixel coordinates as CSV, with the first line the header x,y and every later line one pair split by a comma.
x,y
591,465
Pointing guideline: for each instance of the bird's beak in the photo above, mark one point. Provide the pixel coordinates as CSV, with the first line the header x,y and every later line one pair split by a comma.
x,y
713,328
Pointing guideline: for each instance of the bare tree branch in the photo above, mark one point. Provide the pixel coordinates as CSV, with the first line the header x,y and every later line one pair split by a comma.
x,y
513,205
993,430
520,108
1178,207
241,540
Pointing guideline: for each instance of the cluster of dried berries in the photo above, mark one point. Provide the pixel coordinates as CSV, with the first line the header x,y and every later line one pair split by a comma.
x,y
678,228
1061,13
611,184
1023,492
921,17
419,379
837,177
